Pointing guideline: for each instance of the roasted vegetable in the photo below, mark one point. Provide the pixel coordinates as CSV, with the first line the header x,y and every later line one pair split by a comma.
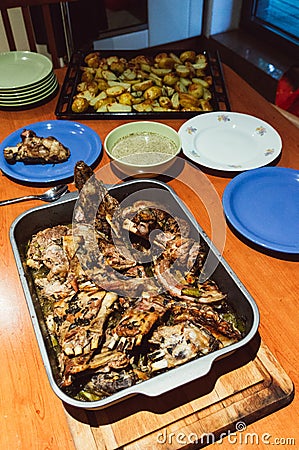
x,y
80,105
144,84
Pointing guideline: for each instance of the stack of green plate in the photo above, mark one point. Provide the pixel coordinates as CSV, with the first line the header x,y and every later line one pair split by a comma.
x,y
26,79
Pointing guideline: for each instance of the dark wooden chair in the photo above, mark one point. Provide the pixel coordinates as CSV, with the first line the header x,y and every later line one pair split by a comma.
x,y
25,5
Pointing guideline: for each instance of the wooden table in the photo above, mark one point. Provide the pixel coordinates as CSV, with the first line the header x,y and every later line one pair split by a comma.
x,y
32,417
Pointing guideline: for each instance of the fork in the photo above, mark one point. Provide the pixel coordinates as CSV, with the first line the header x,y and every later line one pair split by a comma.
x,y
49,196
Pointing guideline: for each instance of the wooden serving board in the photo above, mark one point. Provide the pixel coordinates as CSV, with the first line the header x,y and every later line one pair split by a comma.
x,y
244,386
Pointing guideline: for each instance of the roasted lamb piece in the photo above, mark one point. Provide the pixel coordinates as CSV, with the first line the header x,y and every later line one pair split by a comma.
x,y
37,150
114,320
82,173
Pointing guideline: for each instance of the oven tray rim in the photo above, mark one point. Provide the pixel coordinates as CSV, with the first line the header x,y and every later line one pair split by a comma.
x,y
163,382
63,109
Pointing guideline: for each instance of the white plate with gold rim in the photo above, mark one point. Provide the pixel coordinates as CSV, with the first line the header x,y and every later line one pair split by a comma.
x,y
229,141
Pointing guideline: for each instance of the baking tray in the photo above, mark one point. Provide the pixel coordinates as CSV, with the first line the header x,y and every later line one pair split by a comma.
x,y
63,110
36,219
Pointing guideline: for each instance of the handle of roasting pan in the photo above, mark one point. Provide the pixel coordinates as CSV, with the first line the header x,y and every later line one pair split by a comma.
x,y
177,377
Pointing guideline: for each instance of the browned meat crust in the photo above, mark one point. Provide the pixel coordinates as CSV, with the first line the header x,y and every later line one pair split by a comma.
x,y
37,150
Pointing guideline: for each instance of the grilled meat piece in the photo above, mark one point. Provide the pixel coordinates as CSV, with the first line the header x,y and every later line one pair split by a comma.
x,y
111,382
121,293
82,173
40,243
96,206
37,150
180,343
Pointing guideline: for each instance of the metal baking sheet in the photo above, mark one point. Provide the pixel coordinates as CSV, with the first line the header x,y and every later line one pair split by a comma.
x,y
63,110
36,219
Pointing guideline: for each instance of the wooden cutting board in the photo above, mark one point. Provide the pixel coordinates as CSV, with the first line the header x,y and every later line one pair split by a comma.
x,y
244,386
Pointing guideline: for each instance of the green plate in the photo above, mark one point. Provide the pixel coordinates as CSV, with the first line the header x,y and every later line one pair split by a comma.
x,y
22,68
19,103
27,95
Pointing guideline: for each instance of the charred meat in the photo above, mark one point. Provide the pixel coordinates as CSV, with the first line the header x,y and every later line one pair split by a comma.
x,y
37,150
115,318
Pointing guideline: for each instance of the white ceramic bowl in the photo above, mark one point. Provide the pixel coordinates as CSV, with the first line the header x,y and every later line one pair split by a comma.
x,y
143,148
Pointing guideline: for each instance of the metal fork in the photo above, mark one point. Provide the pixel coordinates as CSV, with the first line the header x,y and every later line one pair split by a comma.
x,y
49,196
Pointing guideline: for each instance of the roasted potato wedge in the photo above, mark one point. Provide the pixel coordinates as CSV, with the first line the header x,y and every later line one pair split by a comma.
x,y
165,82
165,102
170,79
115,91
188,55
159,71
152,93
92,59
142,86
182,70
196,90
80,105
188,101
108,75
166,63
126,99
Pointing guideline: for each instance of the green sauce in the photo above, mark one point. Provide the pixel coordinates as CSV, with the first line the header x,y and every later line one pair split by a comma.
x,y
143,148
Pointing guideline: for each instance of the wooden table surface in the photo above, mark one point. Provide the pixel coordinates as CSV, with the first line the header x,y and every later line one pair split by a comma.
x,y
32,417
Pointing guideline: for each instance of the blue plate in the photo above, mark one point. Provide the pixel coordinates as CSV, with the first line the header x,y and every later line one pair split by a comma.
x,y
263,205
83,142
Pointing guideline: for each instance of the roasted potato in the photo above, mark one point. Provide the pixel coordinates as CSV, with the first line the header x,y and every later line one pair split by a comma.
x,y
165,102
196,90
142,86
160,56
102,84
188,101
92,86
182,71
170,79
188,55
126,99
115,91
129,74
145,106
118,107
108,75
104,103
141,59
80,105
204,83
166,82
160,72
152,93
205,105
166,63
117,67
92,59
87,76
175,101
201,61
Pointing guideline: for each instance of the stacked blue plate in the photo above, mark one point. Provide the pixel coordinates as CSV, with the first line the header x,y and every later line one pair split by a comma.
x,y
26,79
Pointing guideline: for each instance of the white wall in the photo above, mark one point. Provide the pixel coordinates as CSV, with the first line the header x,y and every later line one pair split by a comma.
x,y
132,41
221,16
173,20
169,21
18,30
